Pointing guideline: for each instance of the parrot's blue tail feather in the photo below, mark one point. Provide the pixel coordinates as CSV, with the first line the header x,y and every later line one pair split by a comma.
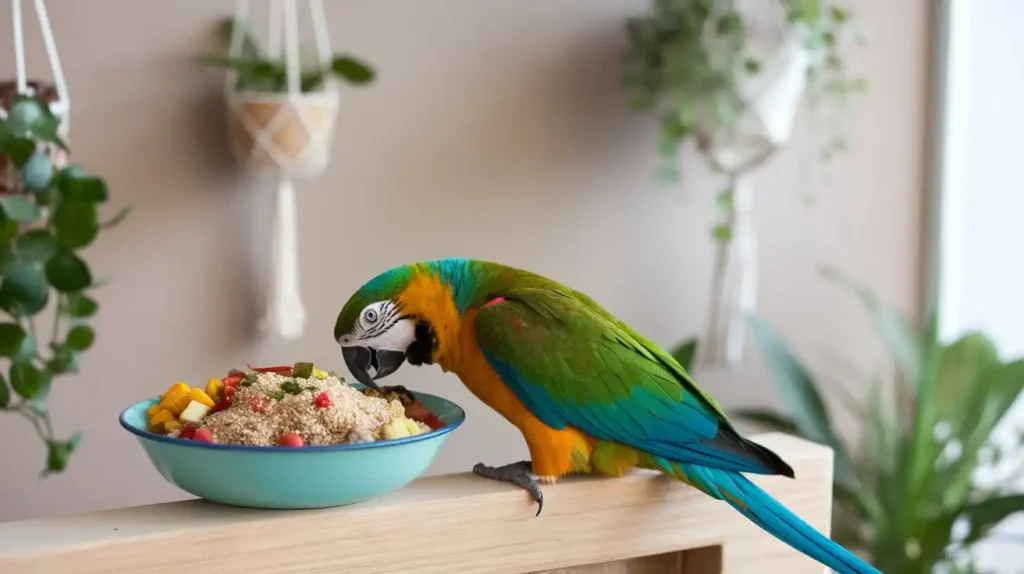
x,y
769,514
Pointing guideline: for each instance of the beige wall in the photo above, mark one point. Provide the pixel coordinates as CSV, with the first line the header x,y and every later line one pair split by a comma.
x,y
495,131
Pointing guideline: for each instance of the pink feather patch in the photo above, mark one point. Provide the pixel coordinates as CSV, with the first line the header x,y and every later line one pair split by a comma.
x,y
495,301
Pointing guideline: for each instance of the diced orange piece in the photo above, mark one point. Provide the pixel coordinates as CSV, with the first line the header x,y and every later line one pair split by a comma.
x,y
158,421
177,389
151,412
199,396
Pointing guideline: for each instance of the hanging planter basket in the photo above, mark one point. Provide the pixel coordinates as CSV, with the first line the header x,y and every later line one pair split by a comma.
x,y
272,133
281,122
47,93
732,75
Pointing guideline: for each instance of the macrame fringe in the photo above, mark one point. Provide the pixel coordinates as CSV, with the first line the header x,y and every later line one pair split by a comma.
x,y
286,315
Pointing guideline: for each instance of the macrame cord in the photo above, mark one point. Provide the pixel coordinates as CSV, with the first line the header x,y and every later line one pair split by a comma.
x,y
772,97
285,312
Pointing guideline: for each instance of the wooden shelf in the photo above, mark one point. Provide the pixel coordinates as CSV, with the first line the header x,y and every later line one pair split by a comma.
x,y
449,524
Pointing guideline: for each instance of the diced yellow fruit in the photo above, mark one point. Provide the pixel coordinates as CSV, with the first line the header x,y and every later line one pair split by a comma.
x,y
172,400
411,426
171,426
194,412
177,388
214,388
394,429
320,373
151,411
200,396
157,422
170,404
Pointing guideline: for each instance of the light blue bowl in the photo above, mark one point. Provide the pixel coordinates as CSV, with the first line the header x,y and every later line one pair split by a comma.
x,y
293,478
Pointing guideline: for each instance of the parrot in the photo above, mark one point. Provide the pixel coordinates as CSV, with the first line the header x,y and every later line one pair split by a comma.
x,y
589,394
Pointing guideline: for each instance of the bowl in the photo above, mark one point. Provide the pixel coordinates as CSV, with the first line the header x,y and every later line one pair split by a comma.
x,y
293,478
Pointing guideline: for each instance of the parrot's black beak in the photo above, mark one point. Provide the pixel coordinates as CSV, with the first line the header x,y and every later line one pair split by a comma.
x,y
367,364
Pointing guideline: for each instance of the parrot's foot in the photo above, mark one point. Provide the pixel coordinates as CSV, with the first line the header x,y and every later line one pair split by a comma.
x,y
518,473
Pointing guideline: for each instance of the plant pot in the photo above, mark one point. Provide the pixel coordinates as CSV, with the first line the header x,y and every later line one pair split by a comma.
x,y
282,132
46,92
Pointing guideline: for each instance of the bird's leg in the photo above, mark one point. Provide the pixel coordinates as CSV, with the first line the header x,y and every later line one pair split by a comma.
x,y
519,474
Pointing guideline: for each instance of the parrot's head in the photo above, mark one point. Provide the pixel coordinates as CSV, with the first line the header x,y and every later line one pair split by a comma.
x,y
393,318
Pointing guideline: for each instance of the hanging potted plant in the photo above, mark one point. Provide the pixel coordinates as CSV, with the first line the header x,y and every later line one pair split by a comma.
x,y
283,104
273,124
731,75
49,213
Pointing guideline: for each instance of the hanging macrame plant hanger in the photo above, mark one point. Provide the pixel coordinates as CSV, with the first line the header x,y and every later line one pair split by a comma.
x,y
57,98
287,134
771,98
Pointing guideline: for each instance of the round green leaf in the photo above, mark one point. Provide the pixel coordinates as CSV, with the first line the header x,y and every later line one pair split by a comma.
x,y
11,338
5,393
24,290
26,379
72,171
26,115
87,189
37,245
57,456
67,272
8,228
7,257
80,338
79,305
64,360
20,207
20,150
76,223
37,173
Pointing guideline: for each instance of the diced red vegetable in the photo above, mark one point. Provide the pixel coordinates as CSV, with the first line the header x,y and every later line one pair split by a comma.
x,y
231,382
285,370
188,431
221,405
259,404
322,401
417,412
203,435
291,439
229,392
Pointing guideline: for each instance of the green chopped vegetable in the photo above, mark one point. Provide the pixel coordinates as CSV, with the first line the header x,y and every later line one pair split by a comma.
x,y
248,379
276,395
302,370
291,387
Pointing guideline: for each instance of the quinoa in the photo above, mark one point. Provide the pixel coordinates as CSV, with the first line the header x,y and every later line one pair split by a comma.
x,y
269,405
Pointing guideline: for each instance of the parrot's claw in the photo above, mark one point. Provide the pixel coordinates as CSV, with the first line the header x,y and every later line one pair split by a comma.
x,y
518,473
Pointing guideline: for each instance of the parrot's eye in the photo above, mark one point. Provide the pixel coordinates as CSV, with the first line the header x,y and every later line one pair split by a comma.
x,y
370,316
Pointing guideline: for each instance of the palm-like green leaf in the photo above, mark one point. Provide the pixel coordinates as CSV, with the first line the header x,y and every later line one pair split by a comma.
x,y
685,352
909,483
800,393
769,420
895,331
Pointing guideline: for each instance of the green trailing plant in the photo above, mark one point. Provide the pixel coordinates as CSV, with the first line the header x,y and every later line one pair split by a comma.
x,y
258,72
686,59
907,496
47,217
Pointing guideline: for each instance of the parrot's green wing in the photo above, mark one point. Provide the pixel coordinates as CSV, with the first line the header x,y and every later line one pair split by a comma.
x,y
572,363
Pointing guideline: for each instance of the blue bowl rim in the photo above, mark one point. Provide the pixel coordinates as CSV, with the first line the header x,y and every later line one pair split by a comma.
x,y
145,434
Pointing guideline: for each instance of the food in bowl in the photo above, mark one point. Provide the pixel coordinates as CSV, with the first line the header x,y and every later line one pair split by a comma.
x,y
297,405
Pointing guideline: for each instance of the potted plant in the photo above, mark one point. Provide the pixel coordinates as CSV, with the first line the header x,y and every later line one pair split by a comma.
x,y
48,215
272,125
731,75
908,495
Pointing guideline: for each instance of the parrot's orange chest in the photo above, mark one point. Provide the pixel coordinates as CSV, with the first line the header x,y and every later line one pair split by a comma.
x,y
554,452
